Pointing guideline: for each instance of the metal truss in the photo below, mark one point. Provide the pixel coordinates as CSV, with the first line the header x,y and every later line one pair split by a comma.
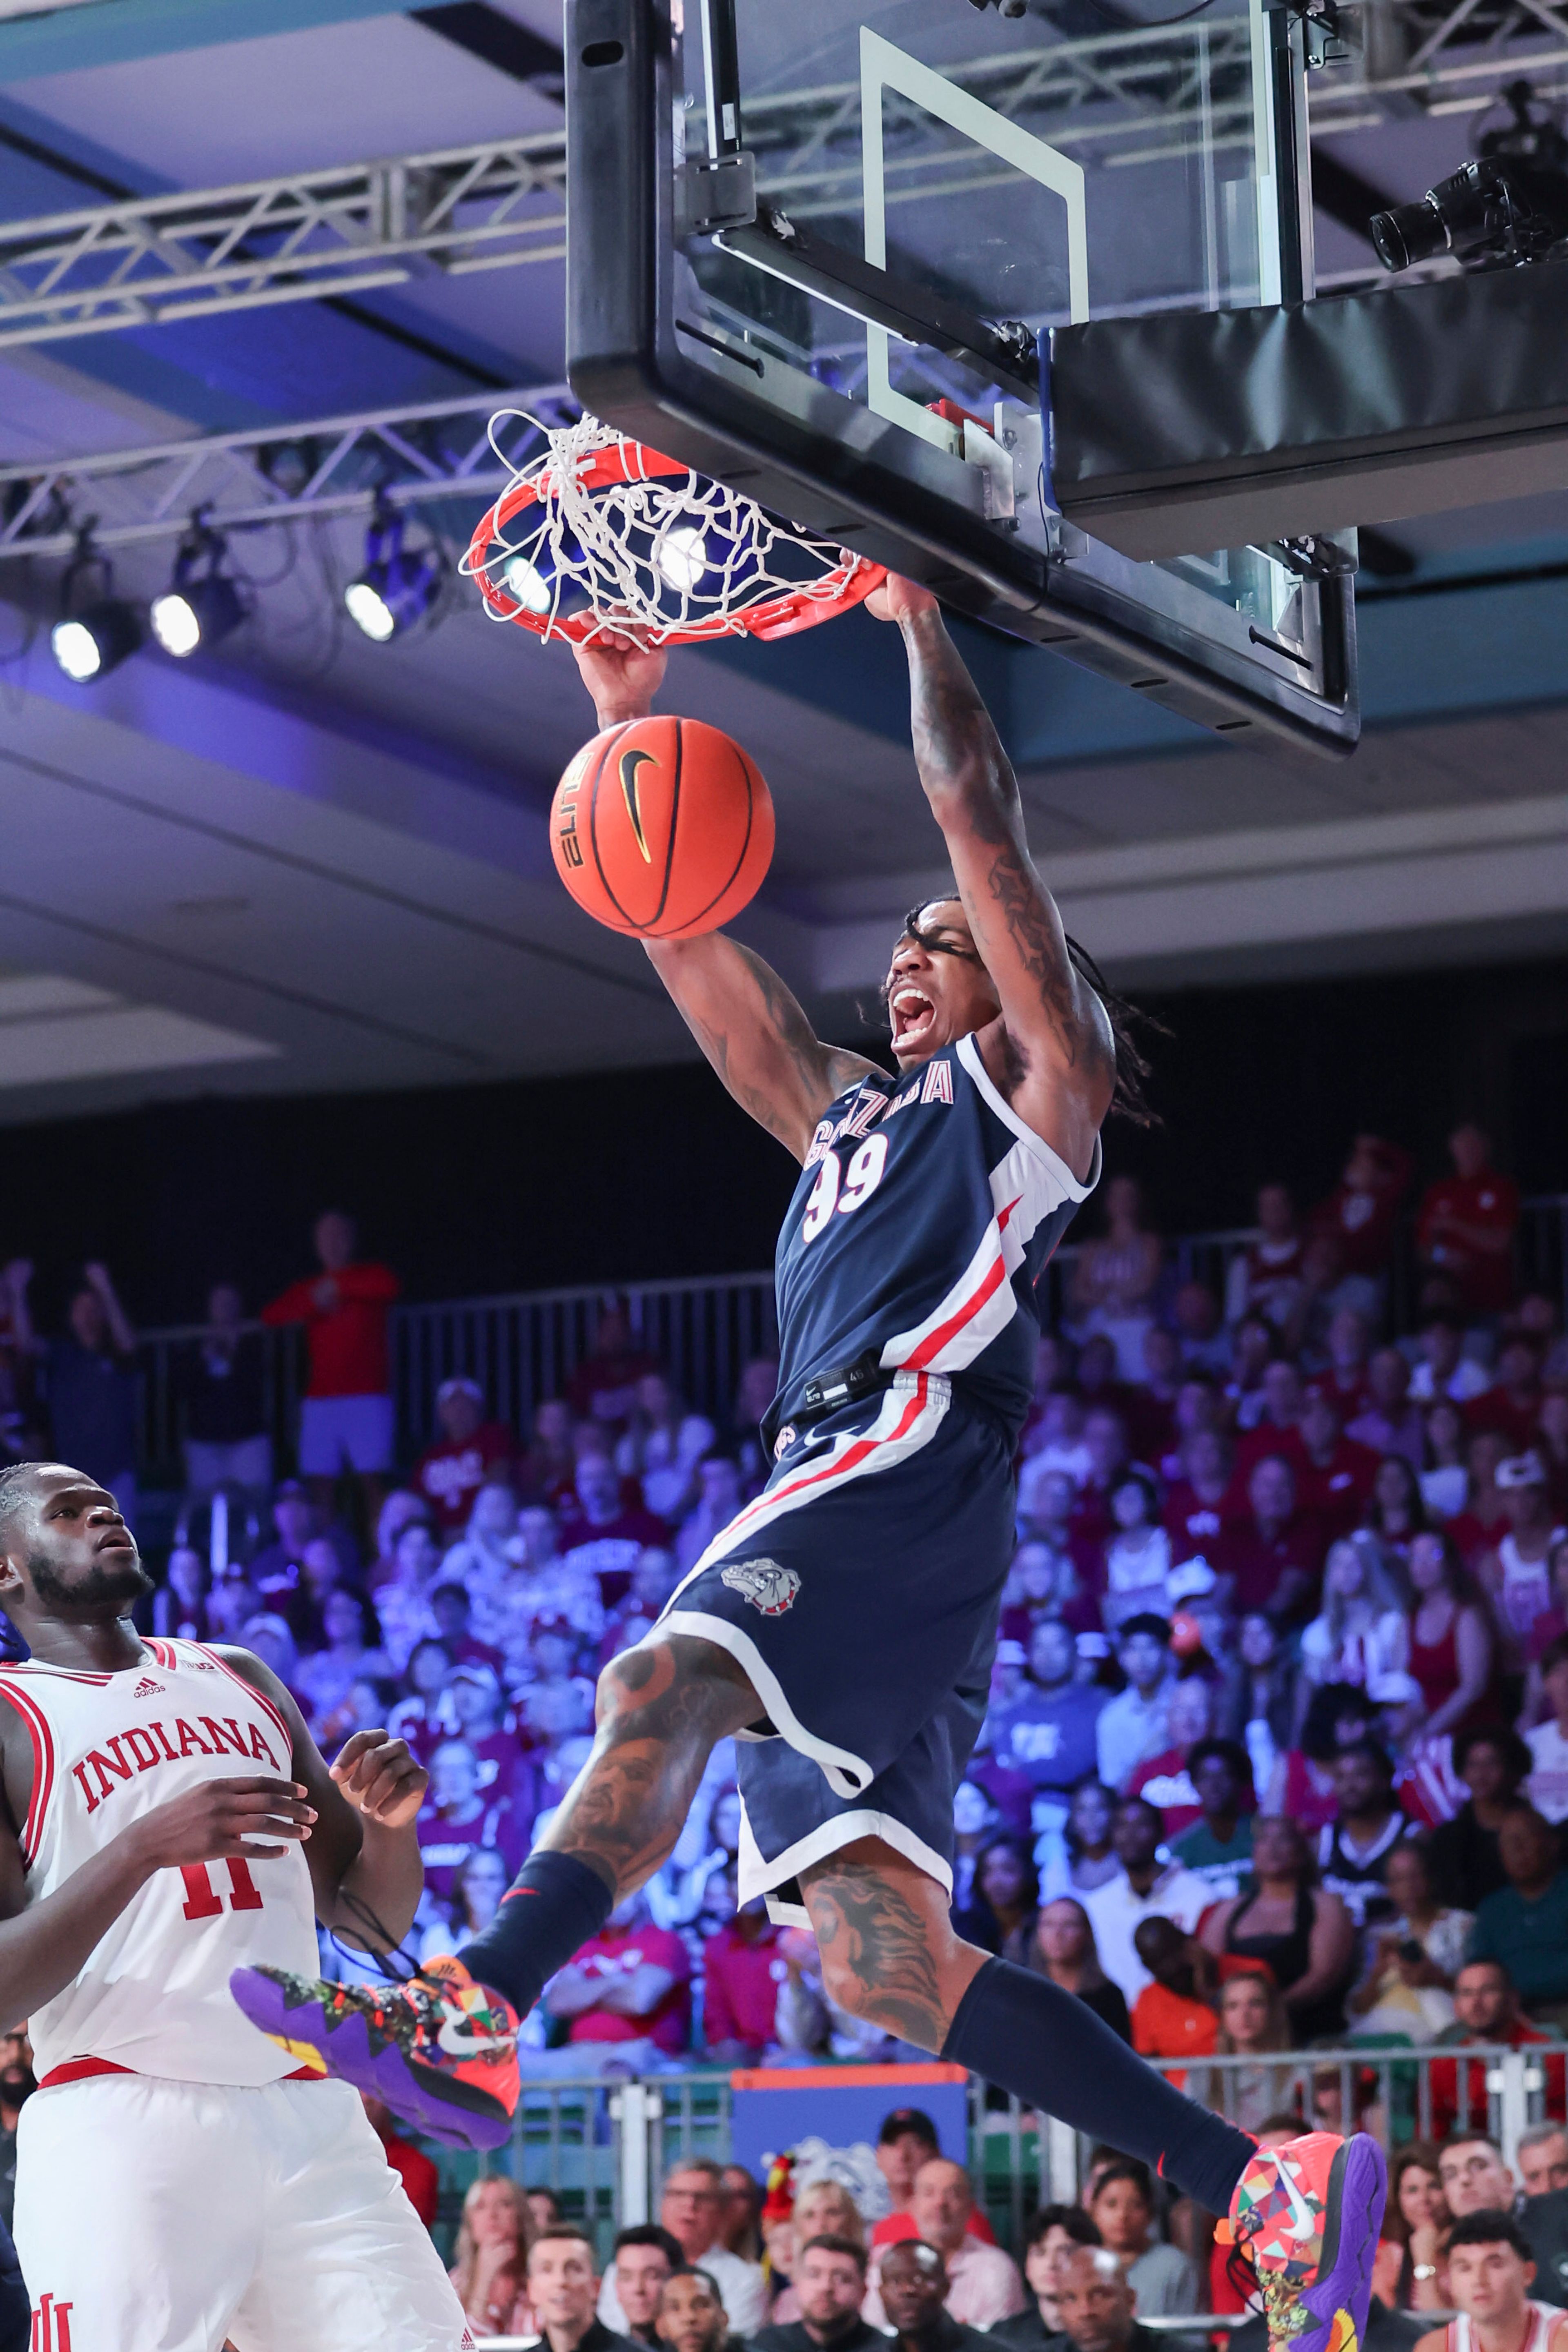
x,y
242,481
145,260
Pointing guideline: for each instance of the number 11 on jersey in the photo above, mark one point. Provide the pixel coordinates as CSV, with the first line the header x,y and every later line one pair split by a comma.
x,y
202,1900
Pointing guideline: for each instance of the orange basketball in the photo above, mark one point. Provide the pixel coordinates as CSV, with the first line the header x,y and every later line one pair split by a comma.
x,y
662,827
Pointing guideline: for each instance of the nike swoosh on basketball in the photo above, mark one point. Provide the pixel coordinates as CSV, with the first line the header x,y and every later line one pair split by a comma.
x,y
629,764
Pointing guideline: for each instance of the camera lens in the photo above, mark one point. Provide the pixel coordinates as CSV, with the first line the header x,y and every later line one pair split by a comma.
x,y
1408,232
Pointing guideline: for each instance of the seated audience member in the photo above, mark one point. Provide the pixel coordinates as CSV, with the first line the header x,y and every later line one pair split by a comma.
x,y
1548,1627
662,1448
1368,1824
1273,1429
641,2260
1297,1929
1466,1223
1542,2156
1467,1852
1388,1422
401,1506
476,1890
1135,1724
829,2285
489,2268
654,1579
1258,1700
1485,2011
1083,1855
421,2182
1065,1950
548,1462
220,1383
1043,1583
604,1386
1443,1371
691,2316
276,1572
1483,1522
983,2282
1251,2024
267,1634
1146,1889
325,1677
1197,1409
1415,2223
912,2299
1514,1572
454,1819
1163,2282
1362,1631
1097,2303
1334,1475
1255,1343
453,1613
823,2208
1115,1276
1411,1960
1346,1379
1512,1404
755,1393
180,1611
1169,2019
1450,1639
1547,1786
720,1495
1217,1846
1053,2234
1048,1731
742,1970
1151,1403
1200,1330
603,1534
564,2290
1166,1780
403,1602
1005,1900
1475,2178
625,1995
1264,1278
1490,2270
1304,1780
485,1557
1525,1923
691,2208
1446,1481
1271,1551
1202,1500
419,1717
906,2141
468,1454
477,1704
1137,1552
1359,1215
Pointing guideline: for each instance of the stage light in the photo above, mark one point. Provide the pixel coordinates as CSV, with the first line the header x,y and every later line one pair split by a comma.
x,y
200,606
90,639
396,589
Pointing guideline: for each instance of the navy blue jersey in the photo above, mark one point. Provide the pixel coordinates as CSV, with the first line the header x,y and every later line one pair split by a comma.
x,y
923,1217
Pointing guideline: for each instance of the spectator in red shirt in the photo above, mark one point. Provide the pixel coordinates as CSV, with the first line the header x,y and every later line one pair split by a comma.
x,y
469,1451
346,1417
1273,1428
454,1819
1483,1522
413,2167
1512,1404
1200,1503
906,2142
1264,1278
627,1993
1360,1212
1273,1553
1165,1779
1333,1474
604,1535
604,1386
1151,1406
1486,2010
742,1970
1465,1224
1344,1380
1390,1422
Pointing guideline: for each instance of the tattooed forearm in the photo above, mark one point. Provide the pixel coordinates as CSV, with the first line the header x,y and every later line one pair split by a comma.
x,y
661,1709
876,1951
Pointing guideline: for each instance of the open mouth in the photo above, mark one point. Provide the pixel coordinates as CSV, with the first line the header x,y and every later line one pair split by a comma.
x,y
116,1540
913,1017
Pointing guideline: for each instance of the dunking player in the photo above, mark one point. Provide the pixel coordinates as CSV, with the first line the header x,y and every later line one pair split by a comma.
x,y
842,1626
166,1819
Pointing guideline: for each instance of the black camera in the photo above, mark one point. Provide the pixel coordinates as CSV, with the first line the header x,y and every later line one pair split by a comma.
x,y
1510,206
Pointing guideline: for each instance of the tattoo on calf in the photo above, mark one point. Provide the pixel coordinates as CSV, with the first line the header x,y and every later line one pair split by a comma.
x,y
877,1944
661,1709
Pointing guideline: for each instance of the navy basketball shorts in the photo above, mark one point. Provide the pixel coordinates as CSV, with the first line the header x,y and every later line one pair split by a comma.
x,y
861,1592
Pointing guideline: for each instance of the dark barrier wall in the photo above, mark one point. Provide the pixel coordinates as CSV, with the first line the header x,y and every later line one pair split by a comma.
x,y
655,1173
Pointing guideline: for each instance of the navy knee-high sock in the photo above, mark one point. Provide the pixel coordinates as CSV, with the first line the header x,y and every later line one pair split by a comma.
x,y
554,1905
1028,2036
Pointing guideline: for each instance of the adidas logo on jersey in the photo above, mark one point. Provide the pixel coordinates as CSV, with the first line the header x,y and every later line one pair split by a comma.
x,y
147,1687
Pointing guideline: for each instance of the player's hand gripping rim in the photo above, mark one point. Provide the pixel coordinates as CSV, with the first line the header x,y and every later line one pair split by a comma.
x,y
381,1778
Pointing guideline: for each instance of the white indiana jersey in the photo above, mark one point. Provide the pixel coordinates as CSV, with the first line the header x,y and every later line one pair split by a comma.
x,y
1541,2318
153,1997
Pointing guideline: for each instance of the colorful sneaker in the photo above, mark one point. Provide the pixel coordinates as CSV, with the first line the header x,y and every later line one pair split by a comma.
x,y
1308,2214
440,2050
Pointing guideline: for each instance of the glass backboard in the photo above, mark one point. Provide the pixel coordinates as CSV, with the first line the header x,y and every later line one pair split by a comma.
x,y
817,247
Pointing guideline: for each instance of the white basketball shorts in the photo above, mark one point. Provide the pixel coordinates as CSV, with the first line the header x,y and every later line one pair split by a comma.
x,y
154,2216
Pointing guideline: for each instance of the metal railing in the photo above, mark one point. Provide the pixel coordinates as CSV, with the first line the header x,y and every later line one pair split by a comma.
x,y
605,2148
524,1345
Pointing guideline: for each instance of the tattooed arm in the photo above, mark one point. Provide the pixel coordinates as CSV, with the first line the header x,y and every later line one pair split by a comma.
x,y
1051,1053
736,1006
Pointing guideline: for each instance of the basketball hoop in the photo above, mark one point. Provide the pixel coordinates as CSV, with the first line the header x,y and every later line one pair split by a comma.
x,y
601,535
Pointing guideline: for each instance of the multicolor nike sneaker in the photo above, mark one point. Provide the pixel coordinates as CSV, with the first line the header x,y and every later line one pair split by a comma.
x,y
1307,2215
440,2050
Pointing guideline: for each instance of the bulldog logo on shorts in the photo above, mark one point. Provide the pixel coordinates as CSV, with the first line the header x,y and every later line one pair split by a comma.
x,y
764,1583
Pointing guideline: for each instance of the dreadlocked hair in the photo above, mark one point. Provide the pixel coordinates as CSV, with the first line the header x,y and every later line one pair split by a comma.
x,y
1129,1100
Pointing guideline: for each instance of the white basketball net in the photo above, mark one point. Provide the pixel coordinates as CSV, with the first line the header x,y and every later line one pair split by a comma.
x,y
655,556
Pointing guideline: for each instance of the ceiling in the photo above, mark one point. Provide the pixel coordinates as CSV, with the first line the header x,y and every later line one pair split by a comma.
x,y
309,863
